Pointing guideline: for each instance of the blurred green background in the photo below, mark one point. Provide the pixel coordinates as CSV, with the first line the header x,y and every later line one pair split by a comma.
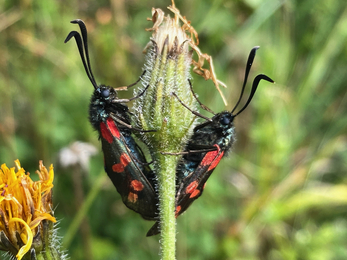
x,y
281,194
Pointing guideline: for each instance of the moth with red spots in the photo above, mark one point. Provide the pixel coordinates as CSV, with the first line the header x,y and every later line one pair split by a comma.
x,y
210,142
125,162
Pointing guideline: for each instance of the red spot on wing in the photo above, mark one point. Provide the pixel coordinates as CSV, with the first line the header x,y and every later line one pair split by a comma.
x,y
211,159
194,194
105,133
177,212
118,168
192,186
113,128
192,189
124,161
215,162
136,185
210,156
132,197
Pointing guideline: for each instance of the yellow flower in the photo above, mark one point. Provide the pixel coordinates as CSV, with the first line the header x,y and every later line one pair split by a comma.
x,y
24,205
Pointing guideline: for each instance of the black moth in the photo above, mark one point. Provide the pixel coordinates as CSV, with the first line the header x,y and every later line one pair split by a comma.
x,y
210,142
125,162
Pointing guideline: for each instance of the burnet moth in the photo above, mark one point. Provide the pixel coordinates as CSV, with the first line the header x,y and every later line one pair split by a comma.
x,y
125,163
210,142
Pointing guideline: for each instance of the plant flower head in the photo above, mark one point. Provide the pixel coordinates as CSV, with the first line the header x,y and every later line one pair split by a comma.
x,y
165,106
167,75
25,209
167,29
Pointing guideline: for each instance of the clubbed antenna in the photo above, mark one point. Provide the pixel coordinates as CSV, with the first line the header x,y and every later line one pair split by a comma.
x,y
255,84
83,51
248,68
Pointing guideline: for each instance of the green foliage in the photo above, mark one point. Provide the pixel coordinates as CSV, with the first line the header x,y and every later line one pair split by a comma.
x,y
281,194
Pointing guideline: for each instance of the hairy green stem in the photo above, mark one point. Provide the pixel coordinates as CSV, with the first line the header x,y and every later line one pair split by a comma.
x,y
167,190
168,64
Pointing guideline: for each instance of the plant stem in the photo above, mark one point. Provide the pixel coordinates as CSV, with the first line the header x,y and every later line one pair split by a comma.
x,y
166,180
168,64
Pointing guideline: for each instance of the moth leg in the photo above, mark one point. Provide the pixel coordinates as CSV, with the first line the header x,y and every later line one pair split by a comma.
x,y
131,85
120,121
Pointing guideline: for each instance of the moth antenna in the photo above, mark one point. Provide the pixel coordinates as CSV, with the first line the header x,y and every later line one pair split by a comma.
x,y
79,43
250,60
194,112
137,81
255,84
84,33
196,98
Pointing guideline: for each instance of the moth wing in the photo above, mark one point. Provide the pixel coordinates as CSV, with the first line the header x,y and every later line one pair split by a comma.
x,y
123,166
193,185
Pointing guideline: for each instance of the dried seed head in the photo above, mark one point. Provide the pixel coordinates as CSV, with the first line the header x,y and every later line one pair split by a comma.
x,y
163,26
167,31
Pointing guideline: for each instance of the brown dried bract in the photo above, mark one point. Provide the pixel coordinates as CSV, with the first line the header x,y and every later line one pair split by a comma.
x,y
158,17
